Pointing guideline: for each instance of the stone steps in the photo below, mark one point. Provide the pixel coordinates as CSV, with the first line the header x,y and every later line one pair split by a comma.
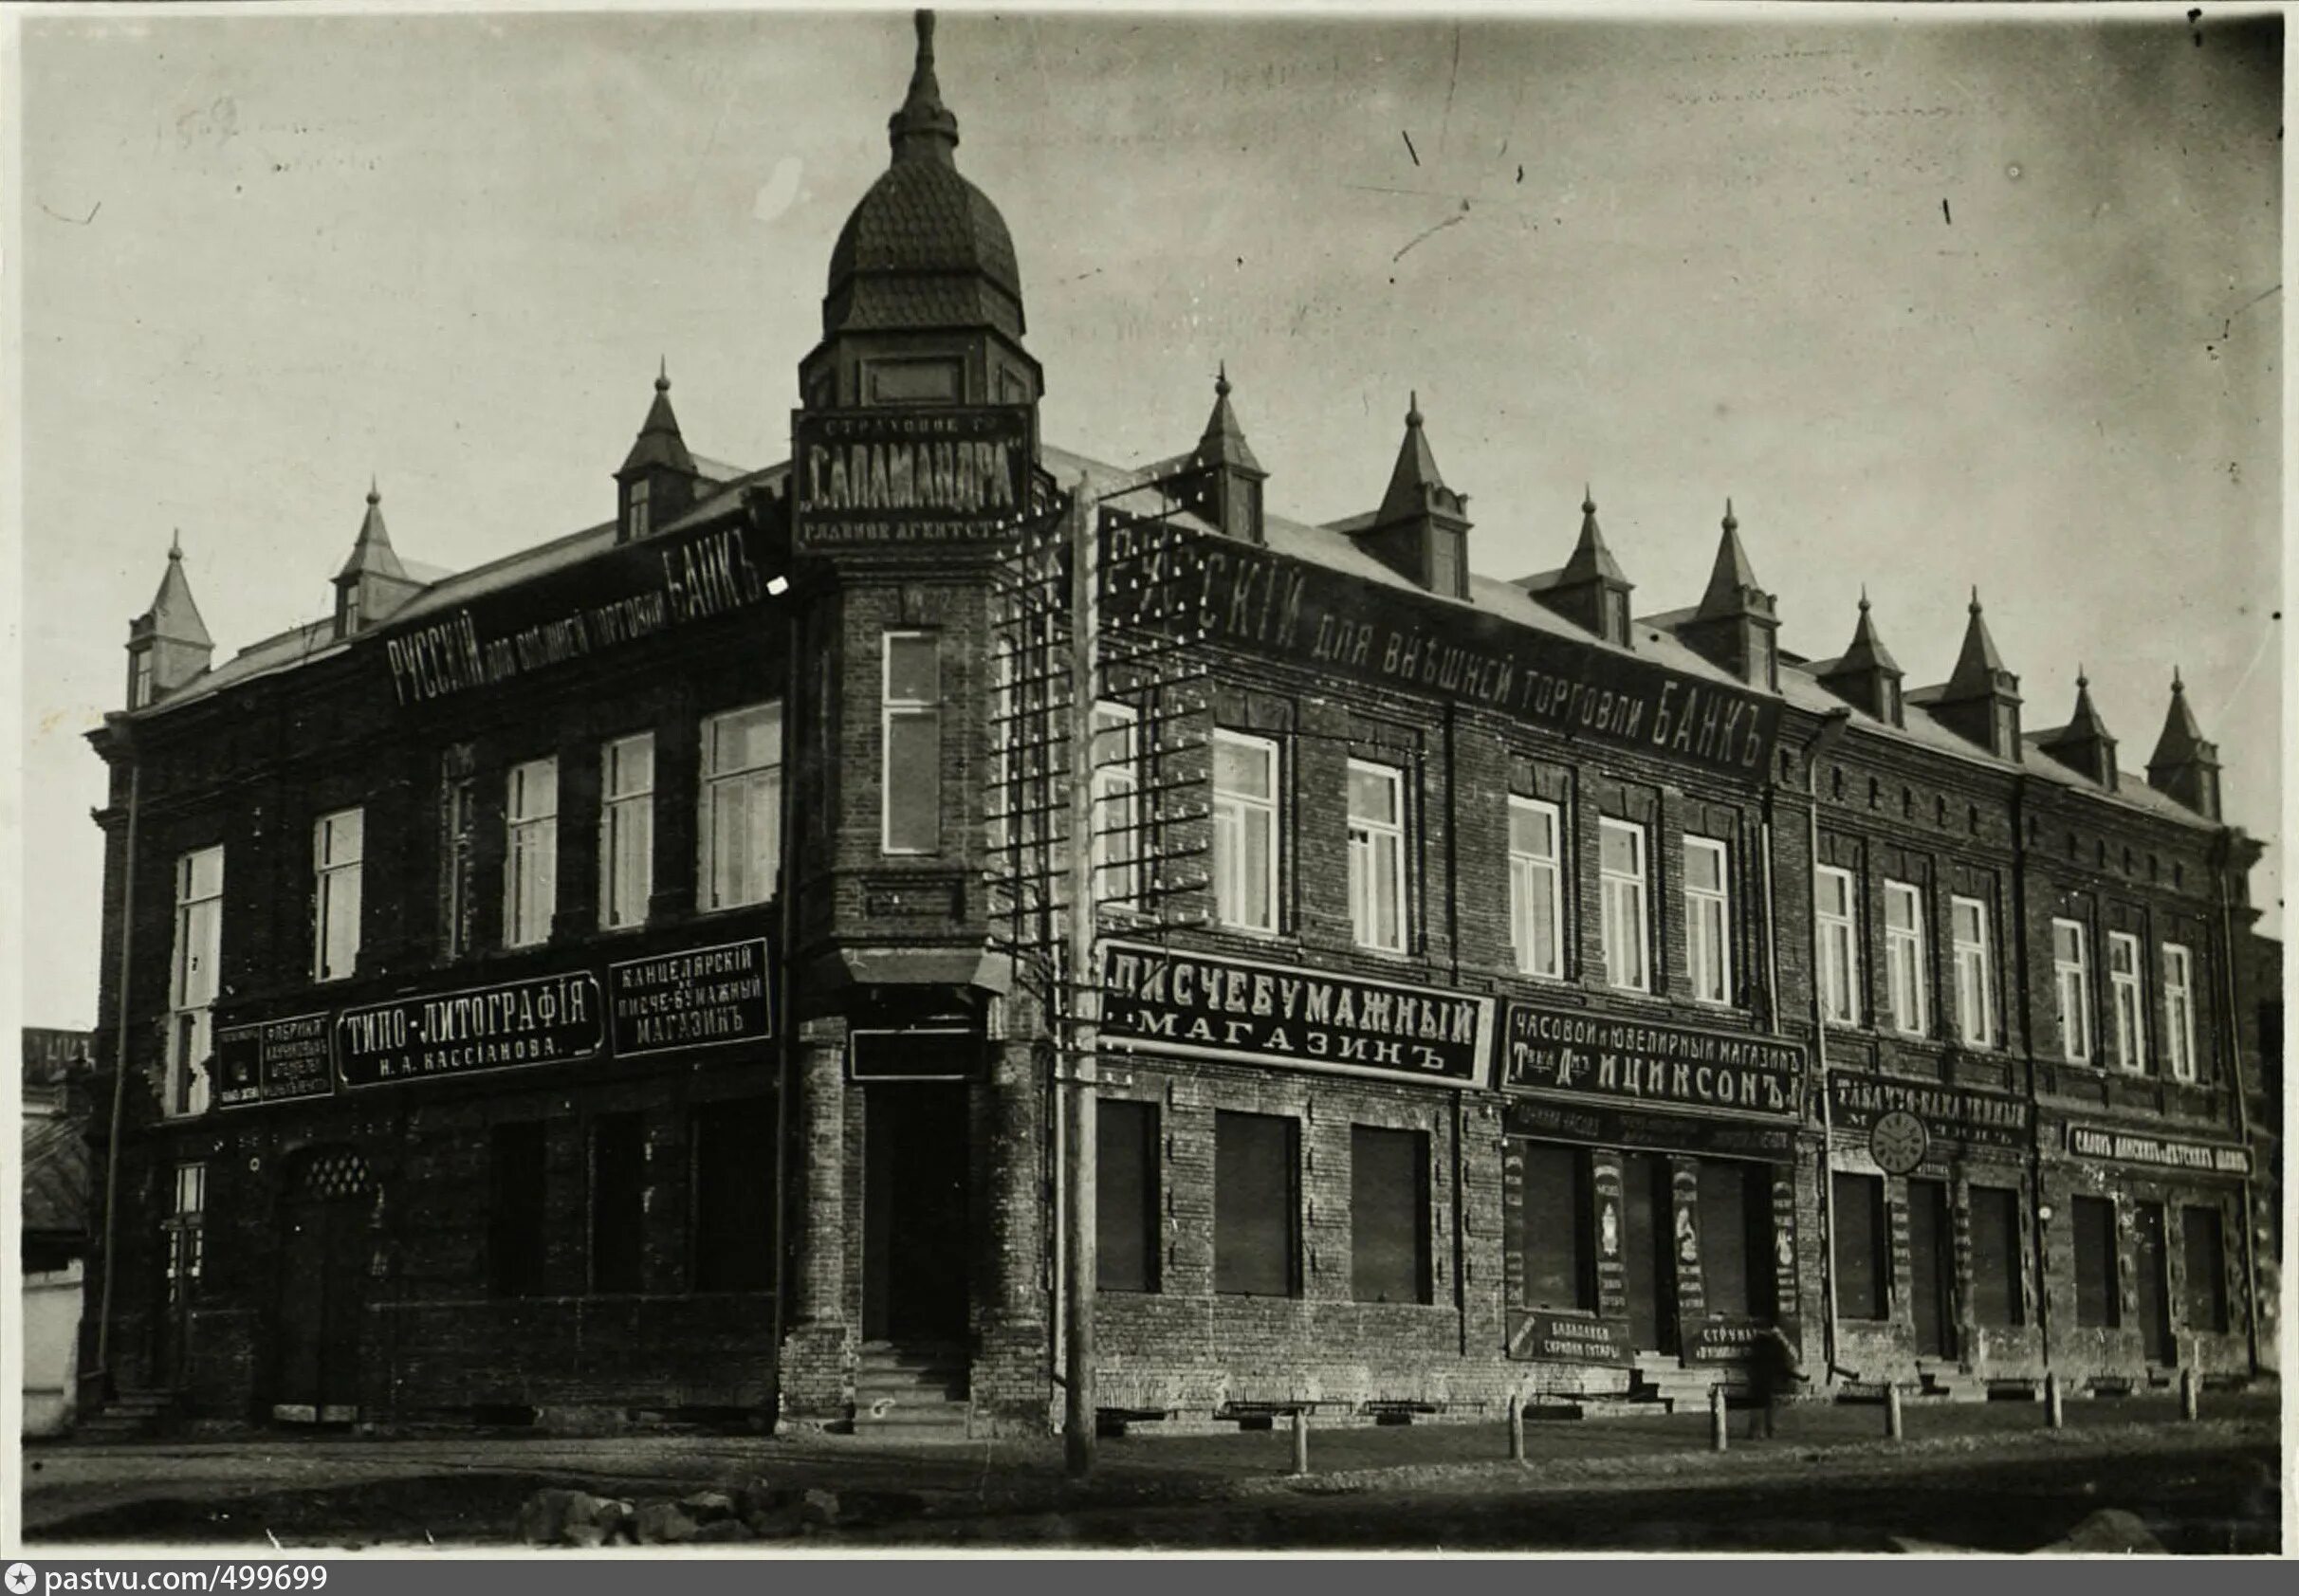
x,y
129,1416
917,1390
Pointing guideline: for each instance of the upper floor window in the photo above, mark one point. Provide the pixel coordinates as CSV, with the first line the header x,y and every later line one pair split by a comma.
x,y
2071,985
1839,944
458,843
2125,1001
1117,803
139,681
1707,920
1376,856
1974,984
638,507
1536,899
1904,961
626,830
530,870
911,731
186,1227
741,802
338,843
1621,866
2180,1010
191,977
1245,833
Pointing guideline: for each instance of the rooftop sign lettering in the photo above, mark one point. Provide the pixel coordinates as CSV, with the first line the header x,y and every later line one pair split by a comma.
x,y
906,478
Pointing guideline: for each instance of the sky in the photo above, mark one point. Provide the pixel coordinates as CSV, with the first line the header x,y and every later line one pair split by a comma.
x,y
1937,300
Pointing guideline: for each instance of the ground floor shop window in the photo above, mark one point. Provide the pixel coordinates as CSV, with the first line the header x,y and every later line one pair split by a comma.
x,y
2206,1259
618,1202
1735,1237
733,1186
516,1172
1256,1203
1560,1223
1864,1268
2097,1292
1125,1195
1388,1214
1996,1258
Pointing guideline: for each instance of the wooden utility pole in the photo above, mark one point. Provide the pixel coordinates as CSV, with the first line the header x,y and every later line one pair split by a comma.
x,y
1080,992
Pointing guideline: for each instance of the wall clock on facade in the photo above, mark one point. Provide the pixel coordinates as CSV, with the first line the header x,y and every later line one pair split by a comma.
x,y
1898,1142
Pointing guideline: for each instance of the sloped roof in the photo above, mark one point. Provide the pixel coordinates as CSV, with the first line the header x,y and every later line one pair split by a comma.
x,y
56,1167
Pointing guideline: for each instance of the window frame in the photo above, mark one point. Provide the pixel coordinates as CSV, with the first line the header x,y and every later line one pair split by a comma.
x,y
1292,1140
1716,901
2179,1012
638,501
1977,957
2073,975
186,1228
1837,934
1116,783
332,893
1268,812
1151,1148
758,782
458,866
1906,943
1612,882
1368,836
531,855
907,712
1524,867
626,825
2127,1001
191,999
1418,1203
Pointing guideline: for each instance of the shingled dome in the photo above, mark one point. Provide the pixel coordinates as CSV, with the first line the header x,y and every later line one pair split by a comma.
x,y
925,248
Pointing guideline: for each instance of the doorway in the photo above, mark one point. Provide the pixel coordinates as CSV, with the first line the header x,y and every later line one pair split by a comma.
x,y
1647,1266
915,1237
323,1287
1932,1269
2151,1285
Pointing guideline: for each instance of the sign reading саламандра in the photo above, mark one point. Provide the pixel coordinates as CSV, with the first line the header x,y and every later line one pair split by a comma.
x,y
1231,593
907,478
2163,1152
609,601
702,996
543,1020
276,1061
1204,1005
1605,1056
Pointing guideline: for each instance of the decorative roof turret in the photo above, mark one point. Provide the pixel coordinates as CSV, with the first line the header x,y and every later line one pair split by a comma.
x,y
168,643
1867,675
1420,530
1981,700
372,583
655,483
1590,588
1736,624
2185,765
2084,744
1222,477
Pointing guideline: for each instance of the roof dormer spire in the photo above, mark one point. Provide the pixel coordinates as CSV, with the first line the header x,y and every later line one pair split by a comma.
x,y
923,129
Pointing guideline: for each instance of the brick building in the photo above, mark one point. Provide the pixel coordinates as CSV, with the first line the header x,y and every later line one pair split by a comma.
x,y
1510,987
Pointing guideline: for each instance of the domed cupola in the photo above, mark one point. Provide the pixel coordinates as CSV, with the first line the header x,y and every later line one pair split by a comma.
x,y
923,305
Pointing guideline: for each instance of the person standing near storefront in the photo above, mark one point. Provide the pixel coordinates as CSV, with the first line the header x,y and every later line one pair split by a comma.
x,y
1774,1372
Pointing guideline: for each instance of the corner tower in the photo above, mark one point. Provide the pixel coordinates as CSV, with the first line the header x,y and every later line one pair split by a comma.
x,y
923,305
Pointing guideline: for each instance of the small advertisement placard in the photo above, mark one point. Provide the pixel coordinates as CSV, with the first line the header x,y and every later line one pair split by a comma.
x,y
1572,1338
2158,1152
699,997
277,1061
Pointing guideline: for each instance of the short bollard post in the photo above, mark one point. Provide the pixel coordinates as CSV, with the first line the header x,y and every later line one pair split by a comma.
x,y
2054,1415
1893,1425
1718,1433
2190,1395
1300,1438
1517,1428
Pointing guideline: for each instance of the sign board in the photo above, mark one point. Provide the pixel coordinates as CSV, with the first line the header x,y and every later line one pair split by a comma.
x,y
917,1052
1204,1005
1721,1341
1255,599
1647,1130
277,1061
2159,1152
1569,1338
1947,1113
543,1020
910,478
701,997
625,595
1608,1058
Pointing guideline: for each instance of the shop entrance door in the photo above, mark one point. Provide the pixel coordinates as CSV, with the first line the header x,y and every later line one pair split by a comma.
x,y
323,1287
1931,1269
2151,1287
915,1235
1648,1272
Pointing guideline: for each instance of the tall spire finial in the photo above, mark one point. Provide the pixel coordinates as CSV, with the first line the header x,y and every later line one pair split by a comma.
x,y
1864,604
1975,605
1731,524
1412,408
662,373
2083,682
2176,685
374,494
1588,500
1221,379
923,129
176,552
